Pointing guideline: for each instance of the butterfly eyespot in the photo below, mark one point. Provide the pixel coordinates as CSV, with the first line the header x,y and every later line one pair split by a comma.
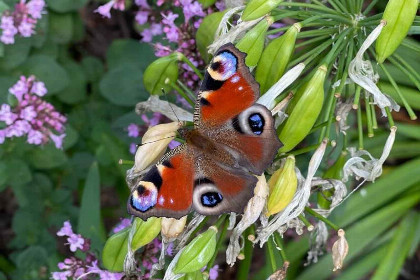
x,y
256,123
144,197
211,199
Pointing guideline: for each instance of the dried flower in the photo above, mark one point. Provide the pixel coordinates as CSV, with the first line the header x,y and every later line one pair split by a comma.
x,y
339,250
171,227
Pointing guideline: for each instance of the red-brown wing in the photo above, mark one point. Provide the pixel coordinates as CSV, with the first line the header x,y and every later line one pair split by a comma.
x,y
228,88
221,189
166,189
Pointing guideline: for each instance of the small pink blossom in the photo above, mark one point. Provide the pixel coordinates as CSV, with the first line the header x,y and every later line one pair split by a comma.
x,y
76,241
133,130
39,88
141,17
122,225
105,10
142,4
133,148
58,140
147,35
66,230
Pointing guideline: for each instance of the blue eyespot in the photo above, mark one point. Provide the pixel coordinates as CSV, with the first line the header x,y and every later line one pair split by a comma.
x,y
256,123
211,199
143,198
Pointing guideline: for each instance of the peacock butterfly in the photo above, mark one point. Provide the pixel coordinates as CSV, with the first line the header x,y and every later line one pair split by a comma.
x,y
233,139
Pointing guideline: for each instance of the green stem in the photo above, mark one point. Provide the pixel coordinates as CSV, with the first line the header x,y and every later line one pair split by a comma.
x,y
340,6
311,6
272,258
311,41
368,117
357,97
318,32
187,90
279,243
125,162
308,225
312,54
389,115
408,66
198,228
360,127
244,265
182,93
196,71
322,218
287,14
372,110
412,78
404,101
337,46
370,6
321,125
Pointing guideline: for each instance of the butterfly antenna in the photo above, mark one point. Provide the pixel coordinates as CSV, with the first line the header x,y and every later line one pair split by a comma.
x,y
142,144
169,103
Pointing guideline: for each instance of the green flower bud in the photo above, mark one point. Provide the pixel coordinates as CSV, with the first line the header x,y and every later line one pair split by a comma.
x,y
399,16
283,186
206,33
303,111
198,253
257,8
275,58
161,73
116,247
253,41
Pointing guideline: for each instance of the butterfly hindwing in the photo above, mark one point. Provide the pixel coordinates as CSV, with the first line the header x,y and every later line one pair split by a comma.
x,y
166,188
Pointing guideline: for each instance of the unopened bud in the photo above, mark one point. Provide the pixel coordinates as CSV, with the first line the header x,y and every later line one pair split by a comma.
x,y
257,8
282,186
198,253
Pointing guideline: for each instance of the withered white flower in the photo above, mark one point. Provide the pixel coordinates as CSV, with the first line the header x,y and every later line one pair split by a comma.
x,y
252,212
339,250
371,168
299,201
171,227
318,240
170,110
342,111
268,99
361,72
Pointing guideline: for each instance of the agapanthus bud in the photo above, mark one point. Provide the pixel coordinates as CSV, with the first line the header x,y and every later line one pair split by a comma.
x,y
171,227
399,16
257,8
253,41
161,73
275,58
154,144
197,253
283,186
339,250
116,247
303,111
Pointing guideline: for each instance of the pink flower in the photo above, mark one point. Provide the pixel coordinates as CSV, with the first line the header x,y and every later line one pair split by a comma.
x,y
26,27
142,4
214,272
28,113
156,28
39,88
61,275
133,148
122,225
105,10
8,30
35,8
147,35
141,17
173,144
2,136
133,130
191,9
66,230
20,88
58,140
76,241
6,114
35,137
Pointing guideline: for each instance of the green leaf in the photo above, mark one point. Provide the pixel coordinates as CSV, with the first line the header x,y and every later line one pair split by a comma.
x,y
41,31
63,6
71,137
123,85
146,231
206,32
207,3
93,68
379,193
76,91
257,8
4,175
16,54
47,157
160,74
29,262
18,172
90,224
79,31
46,69
6,83
397,252
61,27
129,51
3,7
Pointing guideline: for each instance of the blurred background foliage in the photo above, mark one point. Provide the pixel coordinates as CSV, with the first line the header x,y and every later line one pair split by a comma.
x,y
93,70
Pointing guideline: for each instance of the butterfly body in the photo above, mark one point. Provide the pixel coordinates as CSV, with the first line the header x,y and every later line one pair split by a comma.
x,y
233,139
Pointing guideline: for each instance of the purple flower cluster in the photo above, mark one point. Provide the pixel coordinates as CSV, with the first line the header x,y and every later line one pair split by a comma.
x,y
73,267
22,20
32,116
105,10
124,223
136,131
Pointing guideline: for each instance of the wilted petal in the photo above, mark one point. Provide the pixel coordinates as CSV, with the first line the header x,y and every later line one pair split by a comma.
x,y
339,250
154,104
